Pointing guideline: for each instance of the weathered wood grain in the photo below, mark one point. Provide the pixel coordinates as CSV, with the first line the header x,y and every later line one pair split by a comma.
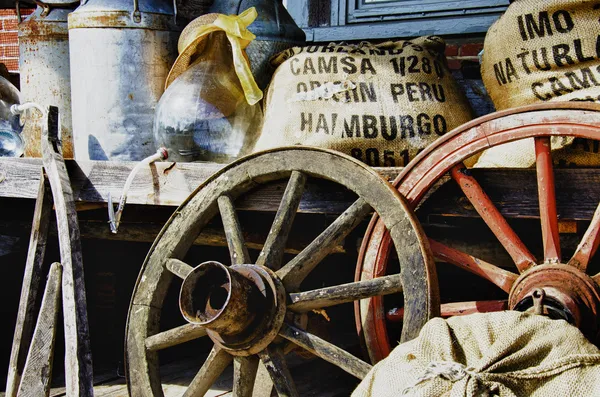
x,y
30,286
178,268
78,354
329,296
147,232
238,251
296,270
162,183
263,384
326,351
175,336
37,374
244,374
272,253
514,193
274,361
217,361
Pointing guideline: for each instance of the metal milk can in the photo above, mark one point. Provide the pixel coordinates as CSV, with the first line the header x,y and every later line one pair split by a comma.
x,y
121,53
274,28
44,70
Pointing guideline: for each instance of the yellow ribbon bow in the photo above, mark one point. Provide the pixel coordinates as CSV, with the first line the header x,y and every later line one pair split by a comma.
x,y
236,29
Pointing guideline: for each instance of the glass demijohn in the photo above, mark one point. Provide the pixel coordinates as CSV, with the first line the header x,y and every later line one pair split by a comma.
x,y
203,115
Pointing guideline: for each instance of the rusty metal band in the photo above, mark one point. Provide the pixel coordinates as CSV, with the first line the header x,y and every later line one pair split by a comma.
x,y
121,19
34,29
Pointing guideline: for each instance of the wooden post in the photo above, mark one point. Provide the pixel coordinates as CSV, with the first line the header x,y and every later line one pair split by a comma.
x,y
37,374
78,355
29,290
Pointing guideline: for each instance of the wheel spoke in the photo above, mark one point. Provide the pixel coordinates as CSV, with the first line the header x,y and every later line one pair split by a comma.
x,y
298,268
502,278
274,361
263,384
492,217
175,336
547,199
244,373
272,253
326,351
456,309
233,231
324,297
588,245
178,268
217,360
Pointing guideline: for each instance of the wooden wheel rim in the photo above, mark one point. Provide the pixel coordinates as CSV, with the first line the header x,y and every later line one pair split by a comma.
x,y
177,236
546,120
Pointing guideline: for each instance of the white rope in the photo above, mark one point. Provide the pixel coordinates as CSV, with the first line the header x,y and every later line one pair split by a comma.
x,y
447,370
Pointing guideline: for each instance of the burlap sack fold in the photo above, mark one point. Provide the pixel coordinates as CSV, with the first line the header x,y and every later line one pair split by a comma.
x,y
494,354
543,51
381,103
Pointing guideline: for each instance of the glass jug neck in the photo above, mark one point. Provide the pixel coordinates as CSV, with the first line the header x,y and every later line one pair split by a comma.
x,y
217,50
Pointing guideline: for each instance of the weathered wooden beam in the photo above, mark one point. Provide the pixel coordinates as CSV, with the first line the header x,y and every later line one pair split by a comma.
x,y
162,183
78,354
146,232
30,286
514,192
38,368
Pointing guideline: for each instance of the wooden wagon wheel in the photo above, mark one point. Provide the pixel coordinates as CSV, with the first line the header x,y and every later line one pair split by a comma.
x,y
249,310
567,290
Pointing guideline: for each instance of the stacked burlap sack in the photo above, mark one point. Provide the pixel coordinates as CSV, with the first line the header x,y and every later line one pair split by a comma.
x,y
495,354
380,103
543,51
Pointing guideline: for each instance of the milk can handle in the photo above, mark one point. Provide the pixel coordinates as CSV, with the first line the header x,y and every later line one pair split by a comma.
x,y
137,15
18,11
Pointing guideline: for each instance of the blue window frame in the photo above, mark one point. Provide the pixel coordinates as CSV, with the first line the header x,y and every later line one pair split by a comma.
x,y
380,19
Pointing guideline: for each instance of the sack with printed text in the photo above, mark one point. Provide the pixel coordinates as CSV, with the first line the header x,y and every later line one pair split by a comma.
x,y
381,103
543,51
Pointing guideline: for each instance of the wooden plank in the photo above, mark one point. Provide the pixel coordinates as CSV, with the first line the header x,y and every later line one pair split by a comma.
x,y
162,183
514,193
143,231
30,286
78,355
38,368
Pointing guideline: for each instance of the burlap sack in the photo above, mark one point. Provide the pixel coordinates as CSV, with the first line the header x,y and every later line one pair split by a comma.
x,y
494,354
543,51
379,103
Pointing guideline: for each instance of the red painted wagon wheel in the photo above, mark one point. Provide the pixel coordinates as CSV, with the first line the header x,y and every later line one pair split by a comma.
x,y
567,291
252,311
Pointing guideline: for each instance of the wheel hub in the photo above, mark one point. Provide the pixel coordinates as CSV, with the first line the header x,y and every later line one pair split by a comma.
x,y
564,293
242,307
